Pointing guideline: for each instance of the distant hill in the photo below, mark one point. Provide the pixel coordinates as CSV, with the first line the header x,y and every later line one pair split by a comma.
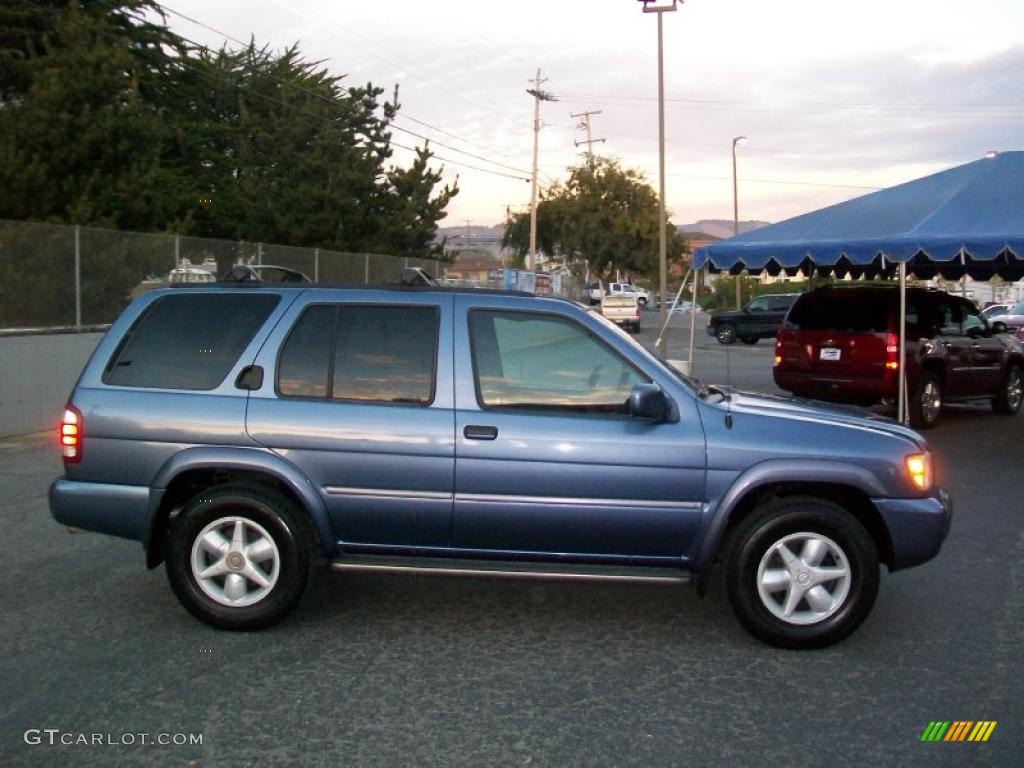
x,y
474,231
721,228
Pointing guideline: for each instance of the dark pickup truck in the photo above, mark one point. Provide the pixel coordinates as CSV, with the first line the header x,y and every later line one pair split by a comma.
x,y
760,319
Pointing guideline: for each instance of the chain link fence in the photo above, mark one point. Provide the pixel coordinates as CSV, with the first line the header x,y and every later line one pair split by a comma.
x,y
69,277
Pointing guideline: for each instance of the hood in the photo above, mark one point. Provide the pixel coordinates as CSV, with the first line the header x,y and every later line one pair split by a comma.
x,y
822,413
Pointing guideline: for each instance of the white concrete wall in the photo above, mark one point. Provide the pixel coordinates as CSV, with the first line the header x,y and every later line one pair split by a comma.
x,y
37,373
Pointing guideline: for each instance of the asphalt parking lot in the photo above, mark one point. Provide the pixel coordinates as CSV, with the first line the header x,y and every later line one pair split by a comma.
x,y
388,670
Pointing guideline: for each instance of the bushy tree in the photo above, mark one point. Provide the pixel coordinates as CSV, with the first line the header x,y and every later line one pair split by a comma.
x,y
109,119
603,213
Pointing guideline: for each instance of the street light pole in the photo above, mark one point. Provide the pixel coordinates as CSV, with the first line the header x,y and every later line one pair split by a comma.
x,y
736,209
662,244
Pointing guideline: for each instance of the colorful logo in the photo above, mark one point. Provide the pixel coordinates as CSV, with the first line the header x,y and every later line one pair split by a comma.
x,y
959,730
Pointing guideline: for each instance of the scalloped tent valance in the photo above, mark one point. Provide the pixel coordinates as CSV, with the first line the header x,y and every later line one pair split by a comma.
x,y
965,220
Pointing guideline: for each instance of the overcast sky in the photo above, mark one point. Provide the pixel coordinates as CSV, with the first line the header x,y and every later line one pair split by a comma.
x,y
836,98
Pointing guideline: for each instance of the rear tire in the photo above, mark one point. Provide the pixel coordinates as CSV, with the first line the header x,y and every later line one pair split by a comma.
x,y
802,573
926,404
238,556
726,333
1008,400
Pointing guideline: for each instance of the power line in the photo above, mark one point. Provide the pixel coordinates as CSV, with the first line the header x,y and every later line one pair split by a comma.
x,y
334,103
721,103
775,181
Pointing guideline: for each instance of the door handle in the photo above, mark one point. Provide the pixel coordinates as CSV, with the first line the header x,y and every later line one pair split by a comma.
x,y
476,432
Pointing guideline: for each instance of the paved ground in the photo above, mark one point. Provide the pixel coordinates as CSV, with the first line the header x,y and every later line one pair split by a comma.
x,y
381,670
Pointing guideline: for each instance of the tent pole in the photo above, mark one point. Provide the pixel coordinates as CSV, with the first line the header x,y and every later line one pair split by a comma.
x,y
693,323
668,317
901,397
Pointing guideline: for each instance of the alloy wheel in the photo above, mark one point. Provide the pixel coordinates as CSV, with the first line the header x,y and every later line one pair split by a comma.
x,y
803,578
235,561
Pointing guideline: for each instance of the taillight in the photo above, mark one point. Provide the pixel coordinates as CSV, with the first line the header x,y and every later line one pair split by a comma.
x,y
892,351
778,351
70,435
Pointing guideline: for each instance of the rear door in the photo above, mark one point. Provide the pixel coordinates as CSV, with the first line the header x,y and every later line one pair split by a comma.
x,y
777,308
956,348
358,395
547,461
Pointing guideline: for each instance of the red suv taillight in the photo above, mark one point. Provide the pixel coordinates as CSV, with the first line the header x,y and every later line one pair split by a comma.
x,y
70,434
778,351
892,352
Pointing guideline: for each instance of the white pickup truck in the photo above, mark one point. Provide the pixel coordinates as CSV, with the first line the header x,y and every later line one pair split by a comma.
x,y
622,310
620,289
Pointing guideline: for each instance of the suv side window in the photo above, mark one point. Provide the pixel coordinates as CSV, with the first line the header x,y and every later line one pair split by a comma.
x,y
972,320
759,304
189,341
542,362
949,319
382,354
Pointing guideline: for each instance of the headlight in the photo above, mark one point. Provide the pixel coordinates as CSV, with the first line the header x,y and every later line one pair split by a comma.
x,y
919,469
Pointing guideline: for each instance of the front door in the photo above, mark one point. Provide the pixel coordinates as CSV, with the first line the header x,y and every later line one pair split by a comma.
x,y
547,461
987,352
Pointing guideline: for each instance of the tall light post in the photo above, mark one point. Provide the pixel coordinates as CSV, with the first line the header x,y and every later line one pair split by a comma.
x,y
736,208
662,245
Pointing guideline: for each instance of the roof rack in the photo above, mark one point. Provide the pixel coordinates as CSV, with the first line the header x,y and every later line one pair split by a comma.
x,y
254,273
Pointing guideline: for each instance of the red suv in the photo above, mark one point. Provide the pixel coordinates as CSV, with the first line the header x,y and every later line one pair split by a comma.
x,y
842,344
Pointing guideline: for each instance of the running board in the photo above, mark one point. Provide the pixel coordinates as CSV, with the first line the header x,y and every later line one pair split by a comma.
x,y
514,569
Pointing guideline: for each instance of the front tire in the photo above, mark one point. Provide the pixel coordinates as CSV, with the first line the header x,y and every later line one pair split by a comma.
x,y
802,573
1008,400
726,333
238,557
926,404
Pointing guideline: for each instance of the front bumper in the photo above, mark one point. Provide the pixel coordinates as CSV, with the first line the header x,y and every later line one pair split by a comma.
x,y
917,527
118,510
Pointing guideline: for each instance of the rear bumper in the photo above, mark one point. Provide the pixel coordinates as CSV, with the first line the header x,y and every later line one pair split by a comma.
x,y
917,527
118,510
806,384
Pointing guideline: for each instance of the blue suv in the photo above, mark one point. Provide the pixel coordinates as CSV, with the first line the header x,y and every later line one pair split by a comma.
x,y
243,432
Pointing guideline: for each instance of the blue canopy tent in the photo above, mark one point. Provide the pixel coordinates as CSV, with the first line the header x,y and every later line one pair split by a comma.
x,y
967,220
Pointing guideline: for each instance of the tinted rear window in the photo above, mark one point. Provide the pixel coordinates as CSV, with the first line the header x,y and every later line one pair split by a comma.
x,y
844,311
189,341
383,354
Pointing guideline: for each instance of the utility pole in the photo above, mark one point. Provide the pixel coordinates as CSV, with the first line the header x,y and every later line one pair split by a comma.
x,y
585,125
539,95
661,10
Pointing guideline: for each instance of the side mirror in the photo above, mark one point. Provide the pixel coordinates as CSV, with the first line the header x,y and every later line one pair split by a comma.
x,y
999,327
648,402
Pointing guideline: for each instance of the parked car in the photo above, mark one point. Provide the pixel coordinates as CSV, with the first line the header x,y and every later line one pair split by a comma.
x,y
842,344
622,310
595,292
994,310
761,318
617,289
1013,318
242,432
